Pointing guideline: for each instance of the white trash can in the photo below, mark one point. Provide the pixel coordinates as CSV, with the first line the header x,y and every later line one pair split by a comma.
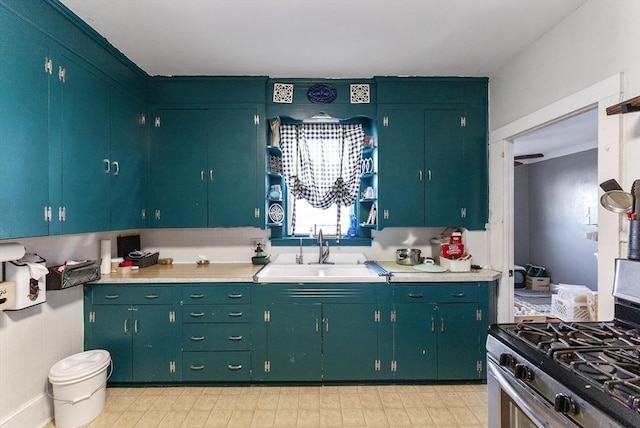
x,y
79,384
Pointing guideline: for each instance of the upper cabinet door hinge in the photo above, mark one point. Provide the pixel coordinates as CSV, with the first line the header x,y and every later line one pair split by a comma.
x,y
376,316
393,316
463,121
156,122
385,121
479,315
48,65
143,119
92,317
172,316
267,316
256,119
62,74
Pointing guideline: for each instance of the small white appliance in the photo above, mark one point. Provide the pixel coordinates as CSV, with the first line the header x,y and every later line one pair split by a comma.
x,y
29,274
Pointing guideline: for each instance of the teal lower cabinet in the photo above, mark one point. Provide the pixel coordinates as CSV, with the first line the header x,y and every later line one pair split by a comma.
x,y
216,332
137,325
439,331
319,333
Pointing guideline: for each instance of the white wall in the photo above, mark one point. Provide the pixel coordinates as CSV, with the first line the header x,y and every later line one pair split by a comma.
x,y
571,67
598,40
34,339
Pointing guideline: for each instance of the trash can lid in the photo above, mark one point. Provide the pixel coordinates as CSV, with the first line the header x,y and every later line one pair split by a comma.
x,y
78,366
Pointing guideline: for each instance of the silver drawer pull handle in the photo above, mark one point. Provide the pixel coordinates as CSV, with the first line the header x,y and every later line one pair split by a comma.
x,y
235,314
111,296
458,294
196,314
415,295
197,367
235,296
235,337
151,296
196,296
197,338
234,366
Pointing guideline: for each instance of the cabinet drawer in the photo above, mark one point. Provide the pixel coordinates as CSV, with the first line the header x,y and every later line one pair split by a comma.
x,y
131,294
216,294
216,337
216,366
216,313
456,292
415,294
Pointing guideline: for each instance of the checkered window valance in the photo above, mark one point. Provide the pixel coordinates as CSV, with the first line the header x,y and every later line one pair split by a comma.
x,y
321,162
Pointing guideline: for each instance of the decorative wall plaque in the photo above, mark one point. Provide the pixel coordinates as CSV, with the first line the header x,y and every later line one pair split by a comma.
x,y
360,94
322,94
283,93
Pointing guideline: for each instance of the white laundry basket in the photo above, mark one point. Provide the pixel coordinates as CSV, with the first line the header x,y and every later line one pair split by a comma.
x,y
79,383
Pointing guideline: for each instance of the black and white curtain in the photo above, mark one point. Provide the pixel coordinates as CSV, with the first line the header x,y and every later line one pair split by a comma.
x,y
321,163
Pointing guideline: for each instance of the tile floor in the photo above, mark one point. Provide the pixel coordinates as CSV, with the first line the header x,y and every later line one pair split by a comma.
x,y
296,406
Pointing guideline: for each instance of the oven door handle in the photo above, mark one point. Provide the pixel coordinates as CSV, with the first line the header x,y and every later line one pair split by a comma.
x,y
526,408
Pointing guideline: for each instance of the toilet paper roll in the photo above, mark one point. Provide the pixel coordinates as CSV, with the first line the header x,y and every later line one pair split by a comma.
x,y
105,254
11,251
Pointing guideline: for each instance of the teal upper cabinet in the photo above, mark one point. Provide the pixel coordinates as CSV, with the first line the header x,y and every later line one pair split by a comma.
x,y
207,152
236,167
58,81
83,166
127,158
401,167
24,110
205,165
178,165
436,129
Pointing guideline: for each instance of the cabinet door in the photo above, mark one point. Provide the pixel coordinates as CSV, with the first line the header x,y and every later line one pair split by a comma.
x,y
111,330
294,339
85,150
155,343
349,341
401,167
179,169
24,153
127,161
445,176
458,347
476,194
234,168
415,341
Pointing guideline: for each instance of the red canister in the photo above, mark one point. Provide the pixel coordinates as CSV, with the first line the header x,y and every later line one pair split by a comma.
x,y
452,251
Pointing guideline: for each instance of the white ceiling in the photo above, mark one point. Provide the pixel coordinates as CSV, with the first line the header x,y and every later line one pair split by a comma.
x,y
322,38
337,38
567,136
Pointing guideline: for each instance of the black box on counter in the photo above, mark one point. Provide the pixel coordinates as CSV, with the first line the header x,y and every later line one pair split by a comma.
x,y
129,249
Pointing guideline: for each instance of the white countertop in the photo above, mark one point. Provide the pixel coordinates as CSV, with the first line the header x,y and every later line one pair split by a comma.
x,y
403,273
244,272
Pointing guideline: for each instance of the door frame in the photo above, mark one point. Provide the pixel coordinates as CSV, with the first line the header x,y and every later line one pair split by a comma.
x,y
501,187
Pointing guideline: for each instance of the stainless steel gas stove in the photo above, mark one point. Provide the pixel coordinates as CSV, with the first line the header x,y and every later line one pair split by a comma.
x,y
582,374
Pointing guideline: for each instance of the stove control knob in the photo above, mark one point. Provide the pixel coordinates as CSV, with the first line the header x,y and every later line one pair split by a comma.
x,y
564,404
507,360
522,372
